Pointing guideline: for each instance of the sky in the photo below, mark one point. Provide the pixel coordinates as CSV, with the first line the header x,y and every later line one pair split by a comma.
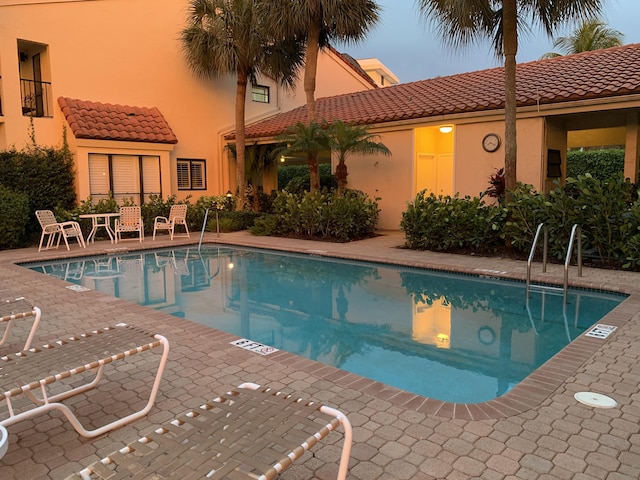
x,y
412,49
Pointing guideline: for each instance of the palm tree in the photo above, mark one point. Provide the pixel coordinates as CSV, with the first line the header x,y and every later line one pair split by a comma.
x,y
462,22
231,37
309,138
591,35
319,22
347,138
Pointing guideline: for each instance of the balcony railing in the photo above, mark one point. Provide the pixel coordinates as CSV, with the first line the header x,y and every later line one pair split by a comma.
x,y
35,98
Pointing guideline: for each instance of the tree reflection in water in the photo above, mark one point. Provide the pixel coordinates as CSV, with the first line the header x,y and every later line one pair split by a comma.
x,y
371,319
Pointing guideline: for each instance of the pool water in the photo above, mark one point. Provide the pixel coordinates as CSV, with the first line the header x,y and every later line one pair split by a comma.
x,y
457,338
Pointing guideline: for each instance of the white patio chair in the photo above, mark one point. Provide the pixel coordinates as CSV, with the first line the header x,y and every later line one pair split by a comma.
x,y
130,221
177,216
55,230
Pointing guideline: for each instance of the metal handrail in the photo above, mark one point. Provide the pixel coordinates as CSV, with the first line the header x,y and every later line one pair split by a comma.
x,y
574,230
541,227
204,226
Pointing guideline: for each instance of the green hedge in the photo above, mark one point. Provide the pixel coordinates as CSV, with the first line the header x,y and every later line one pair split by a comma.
x,y
45,176
14,211
600,164
444,223
608,213
323,215
296,178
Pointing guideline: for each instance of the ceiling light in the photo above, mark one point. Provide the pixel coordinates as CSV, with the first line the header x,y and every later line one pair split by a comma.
x,y
446,128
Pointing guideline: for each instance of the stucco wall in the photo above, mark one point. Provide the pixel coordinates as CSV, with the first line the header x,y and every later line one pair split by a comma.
x,y
473,165
128,52
389,178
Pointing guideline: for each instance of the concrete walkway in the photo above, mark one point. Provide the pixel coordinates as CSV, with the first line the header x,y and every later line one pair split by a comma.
x,y
536,431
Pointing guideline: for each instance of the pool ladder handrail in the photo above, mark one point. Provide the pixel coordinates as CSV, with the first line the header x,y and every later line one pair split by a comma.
x,y
204,226
576,232
541,228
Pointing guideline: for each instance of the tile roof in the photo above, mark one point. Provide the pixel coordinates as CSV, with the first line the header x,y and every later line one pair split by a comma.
x,y
598,74
103,121
355,66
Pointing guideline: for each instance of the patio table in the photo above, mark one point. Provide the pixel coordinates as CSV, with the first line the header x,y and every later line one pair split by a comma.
x,y
100,220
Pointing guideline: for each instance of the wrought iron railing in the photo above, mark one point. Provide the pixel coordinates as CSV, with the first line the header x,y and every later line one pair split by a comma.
x,y
36,98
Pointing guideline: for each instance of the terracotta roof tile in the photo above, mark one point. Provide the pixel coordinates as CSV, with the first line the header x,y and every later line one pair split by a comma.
x,y
103,121
597,74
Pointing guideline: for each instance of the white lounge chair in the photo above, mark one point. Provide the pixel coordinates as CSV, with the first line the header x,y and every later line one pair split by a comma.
x,y
55,230
130,221
12,310
177,216
36,374
251,432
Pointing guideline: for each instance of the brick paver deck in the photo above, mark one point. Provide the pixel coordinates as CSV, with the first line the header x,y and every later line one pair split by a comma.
x,y
536,431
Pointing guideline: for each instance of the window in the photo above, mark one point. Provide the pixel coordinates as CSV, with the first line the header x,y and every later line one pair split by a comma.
x,y
554,163
127,177
191,174
260,93
35,89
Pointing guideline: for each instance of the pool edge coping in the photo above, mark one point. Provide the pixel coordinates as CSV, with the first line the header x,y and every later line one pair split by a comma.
x,y
526,395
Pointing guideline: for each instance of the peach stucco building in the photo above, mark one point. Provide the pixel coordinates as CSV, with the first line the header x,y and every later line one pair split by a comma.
x,y
446,134
111,74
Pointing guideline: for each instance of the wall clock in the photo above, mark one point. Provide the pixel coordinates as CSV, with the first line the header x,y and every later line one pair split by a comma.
x,y
491,142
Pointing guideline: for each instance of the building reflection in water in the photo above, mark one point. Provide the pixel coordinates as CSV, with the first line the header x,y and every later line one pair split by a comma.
x,y
347,313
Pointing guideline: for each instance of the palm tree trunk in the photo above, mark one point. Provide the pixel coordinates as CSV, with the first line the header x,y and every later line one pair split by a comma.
x,y
510,45
310,69
341,176
314,177
241,94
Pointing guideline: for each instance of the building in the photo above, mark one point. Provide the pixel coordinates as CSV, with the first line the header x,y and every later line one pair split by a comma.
x,y
111,76
446,134
378,71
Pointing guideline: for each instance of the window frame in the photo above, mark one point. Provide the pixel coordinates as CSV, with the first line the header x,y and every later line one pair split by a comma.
x,y
191,164
146,175
260,93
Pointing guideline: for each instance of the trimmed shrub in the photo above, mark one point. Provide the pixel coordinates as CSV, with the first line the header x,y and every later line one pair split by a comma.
x,y
323,215
445,223
14,211
608,213
296,178
600,164
45,175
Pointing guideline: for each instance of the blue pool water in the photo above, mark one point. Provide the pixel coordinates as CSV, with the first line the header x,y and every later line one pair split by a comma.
x,y
452,337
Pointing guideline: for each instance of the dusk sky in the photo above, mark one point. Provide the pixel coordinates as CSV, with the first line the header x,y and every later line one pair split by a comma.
x,y
411,48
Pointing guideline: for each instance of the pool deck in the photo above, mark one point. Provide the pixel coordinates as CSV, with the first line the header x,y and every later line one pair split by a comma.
x,y
537,431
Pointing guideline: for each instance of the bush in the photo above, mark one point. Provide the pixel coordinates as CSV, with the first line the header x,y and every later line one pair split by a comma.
x,y
608,213
444,223
231,221
600,164
296,178
323,215
45,175
14,211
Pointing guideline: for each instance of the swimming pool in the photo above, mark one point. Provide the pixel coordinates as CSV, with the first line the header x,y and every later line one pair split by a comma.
x,y
451,337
